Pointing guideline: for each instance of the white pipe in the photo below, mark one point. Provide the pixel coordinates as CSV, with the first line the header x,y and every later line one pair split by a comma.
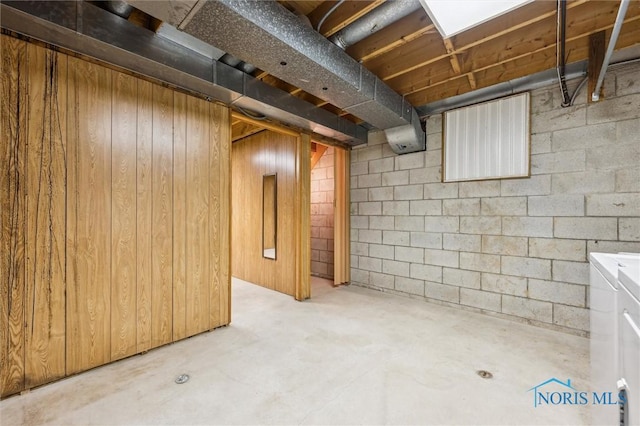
x,y
624,4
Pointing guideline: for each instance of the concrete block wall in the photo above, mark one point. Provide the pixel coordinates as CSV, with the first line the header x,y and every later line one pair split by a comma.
x,y
322,216
516,248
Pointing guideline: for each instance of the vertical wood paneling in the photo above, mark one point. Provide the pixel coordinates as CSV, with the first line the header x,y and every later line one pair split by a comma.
x,y
114,215
162,225
46,217
72,301
180,216
214,219
221,137
342,232
143,213
12,213
89,300
303,224
198,194
253,157
123,217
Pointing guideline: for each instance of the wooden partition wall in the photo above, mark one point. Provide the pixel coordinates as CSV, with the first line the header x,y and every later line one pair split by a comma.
x,y
115,209
287,156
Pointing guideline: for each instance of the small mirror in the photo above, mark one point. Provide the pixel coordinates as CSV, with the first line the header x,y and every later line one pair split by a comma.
x,y
269,216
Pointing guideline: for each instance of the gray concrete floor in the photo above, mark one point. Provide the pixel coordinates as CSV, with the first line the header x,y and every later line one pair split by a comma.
x,y
349,355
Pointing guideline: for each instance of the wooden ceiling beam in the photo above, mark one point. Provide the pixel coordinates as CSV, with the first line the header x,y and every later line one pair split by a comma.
x,y
453,58
302,7
426,50
542,35
503,51
517,19
401,32
542,60
345,14
409,56
597,46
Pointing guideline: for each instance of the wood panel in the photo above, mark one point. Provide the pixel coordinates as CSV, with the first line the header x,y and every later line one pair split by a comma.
x,y
123,217
162,213
113,198
342,232
215,217
180,216
303,218
409,28
14,79
46,217
221,137
144,192
198,197
253,157
89,297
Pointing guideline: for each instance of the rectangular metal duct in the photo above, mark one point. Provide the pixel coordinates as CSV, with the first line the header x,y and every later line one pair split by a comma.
x,y
86,29
270,37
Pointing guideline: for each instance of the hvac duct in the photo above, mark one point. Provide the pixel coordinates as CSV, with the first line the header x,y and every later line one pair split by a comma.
x,y
267,35
380,17
89,30
118,7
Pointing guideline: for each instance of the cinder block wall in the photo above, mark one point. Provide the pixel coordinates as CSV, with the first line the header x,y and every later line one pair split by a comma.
x,y
322,216
515,247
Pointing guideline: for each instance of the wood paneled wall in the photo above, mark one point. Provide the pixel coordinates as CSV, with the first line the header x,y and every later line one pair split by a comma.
x,y
115,207
253,157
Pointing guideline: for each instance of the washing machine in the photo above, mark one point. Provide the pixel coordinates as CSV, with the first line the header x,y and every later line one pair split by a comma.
x,y
603,298
629,343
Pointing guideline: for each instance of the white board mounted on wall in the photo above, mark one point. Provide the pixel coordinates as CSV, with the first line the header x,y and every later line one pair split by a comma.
x,y
488,140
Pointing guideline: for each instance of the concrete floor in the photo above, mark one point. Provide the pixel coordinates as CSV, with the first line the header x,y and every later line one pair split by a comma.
x,y
347,356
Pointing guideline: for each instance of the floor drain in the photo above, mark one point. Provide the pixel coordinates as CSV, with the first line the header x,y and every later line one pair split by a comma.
x,y
484,374
183,378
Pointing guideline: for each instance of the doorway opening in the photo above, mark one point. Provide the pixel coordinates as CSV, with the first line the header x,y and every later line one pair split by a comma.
x,y
322,210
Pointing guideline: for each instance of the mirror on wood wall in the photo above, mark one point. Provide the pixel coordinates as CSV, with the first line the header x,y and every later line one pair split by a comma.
x,y
269,215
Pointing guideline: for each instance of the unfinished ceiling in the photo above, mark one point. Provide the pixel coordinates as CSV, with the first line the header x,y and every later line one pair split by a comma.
x,y
406,54
412,57
417,62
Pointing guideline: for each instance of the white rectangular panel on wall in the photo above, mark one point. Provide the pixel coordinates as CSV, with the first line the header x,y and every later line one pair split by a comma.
x,y
487,141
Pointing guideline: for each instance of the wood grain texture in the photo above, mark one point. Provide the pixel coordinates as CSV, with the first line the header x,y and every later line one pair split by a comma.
x,y
214,216
342,215
180,138
144,144
123,217
89,298
253,157
12,214
221,136
303,219
162,225
114,215
46,217
197,213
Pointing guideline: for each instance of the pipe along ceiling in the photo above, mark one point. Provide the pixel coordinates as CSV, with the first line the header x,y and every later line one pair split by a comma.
x,y
270,37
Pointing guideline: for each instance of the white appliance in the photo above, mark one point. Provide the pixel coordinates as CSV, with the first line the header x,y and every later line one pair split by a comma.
x,y
629,341
603,295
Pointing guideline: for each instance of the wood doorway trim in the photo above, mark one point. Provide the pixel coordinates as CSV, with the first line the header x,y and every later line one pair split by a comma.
x,y
341,227
303,224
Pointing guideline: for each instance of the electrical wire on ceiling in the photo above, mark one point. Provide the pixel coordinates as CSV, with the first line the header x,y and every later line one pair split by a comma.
x,y
326,15
561,39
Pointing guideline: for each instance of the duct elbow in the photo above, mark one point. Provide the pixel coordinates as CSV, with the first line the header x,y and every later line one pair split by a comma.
x,y
407,138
